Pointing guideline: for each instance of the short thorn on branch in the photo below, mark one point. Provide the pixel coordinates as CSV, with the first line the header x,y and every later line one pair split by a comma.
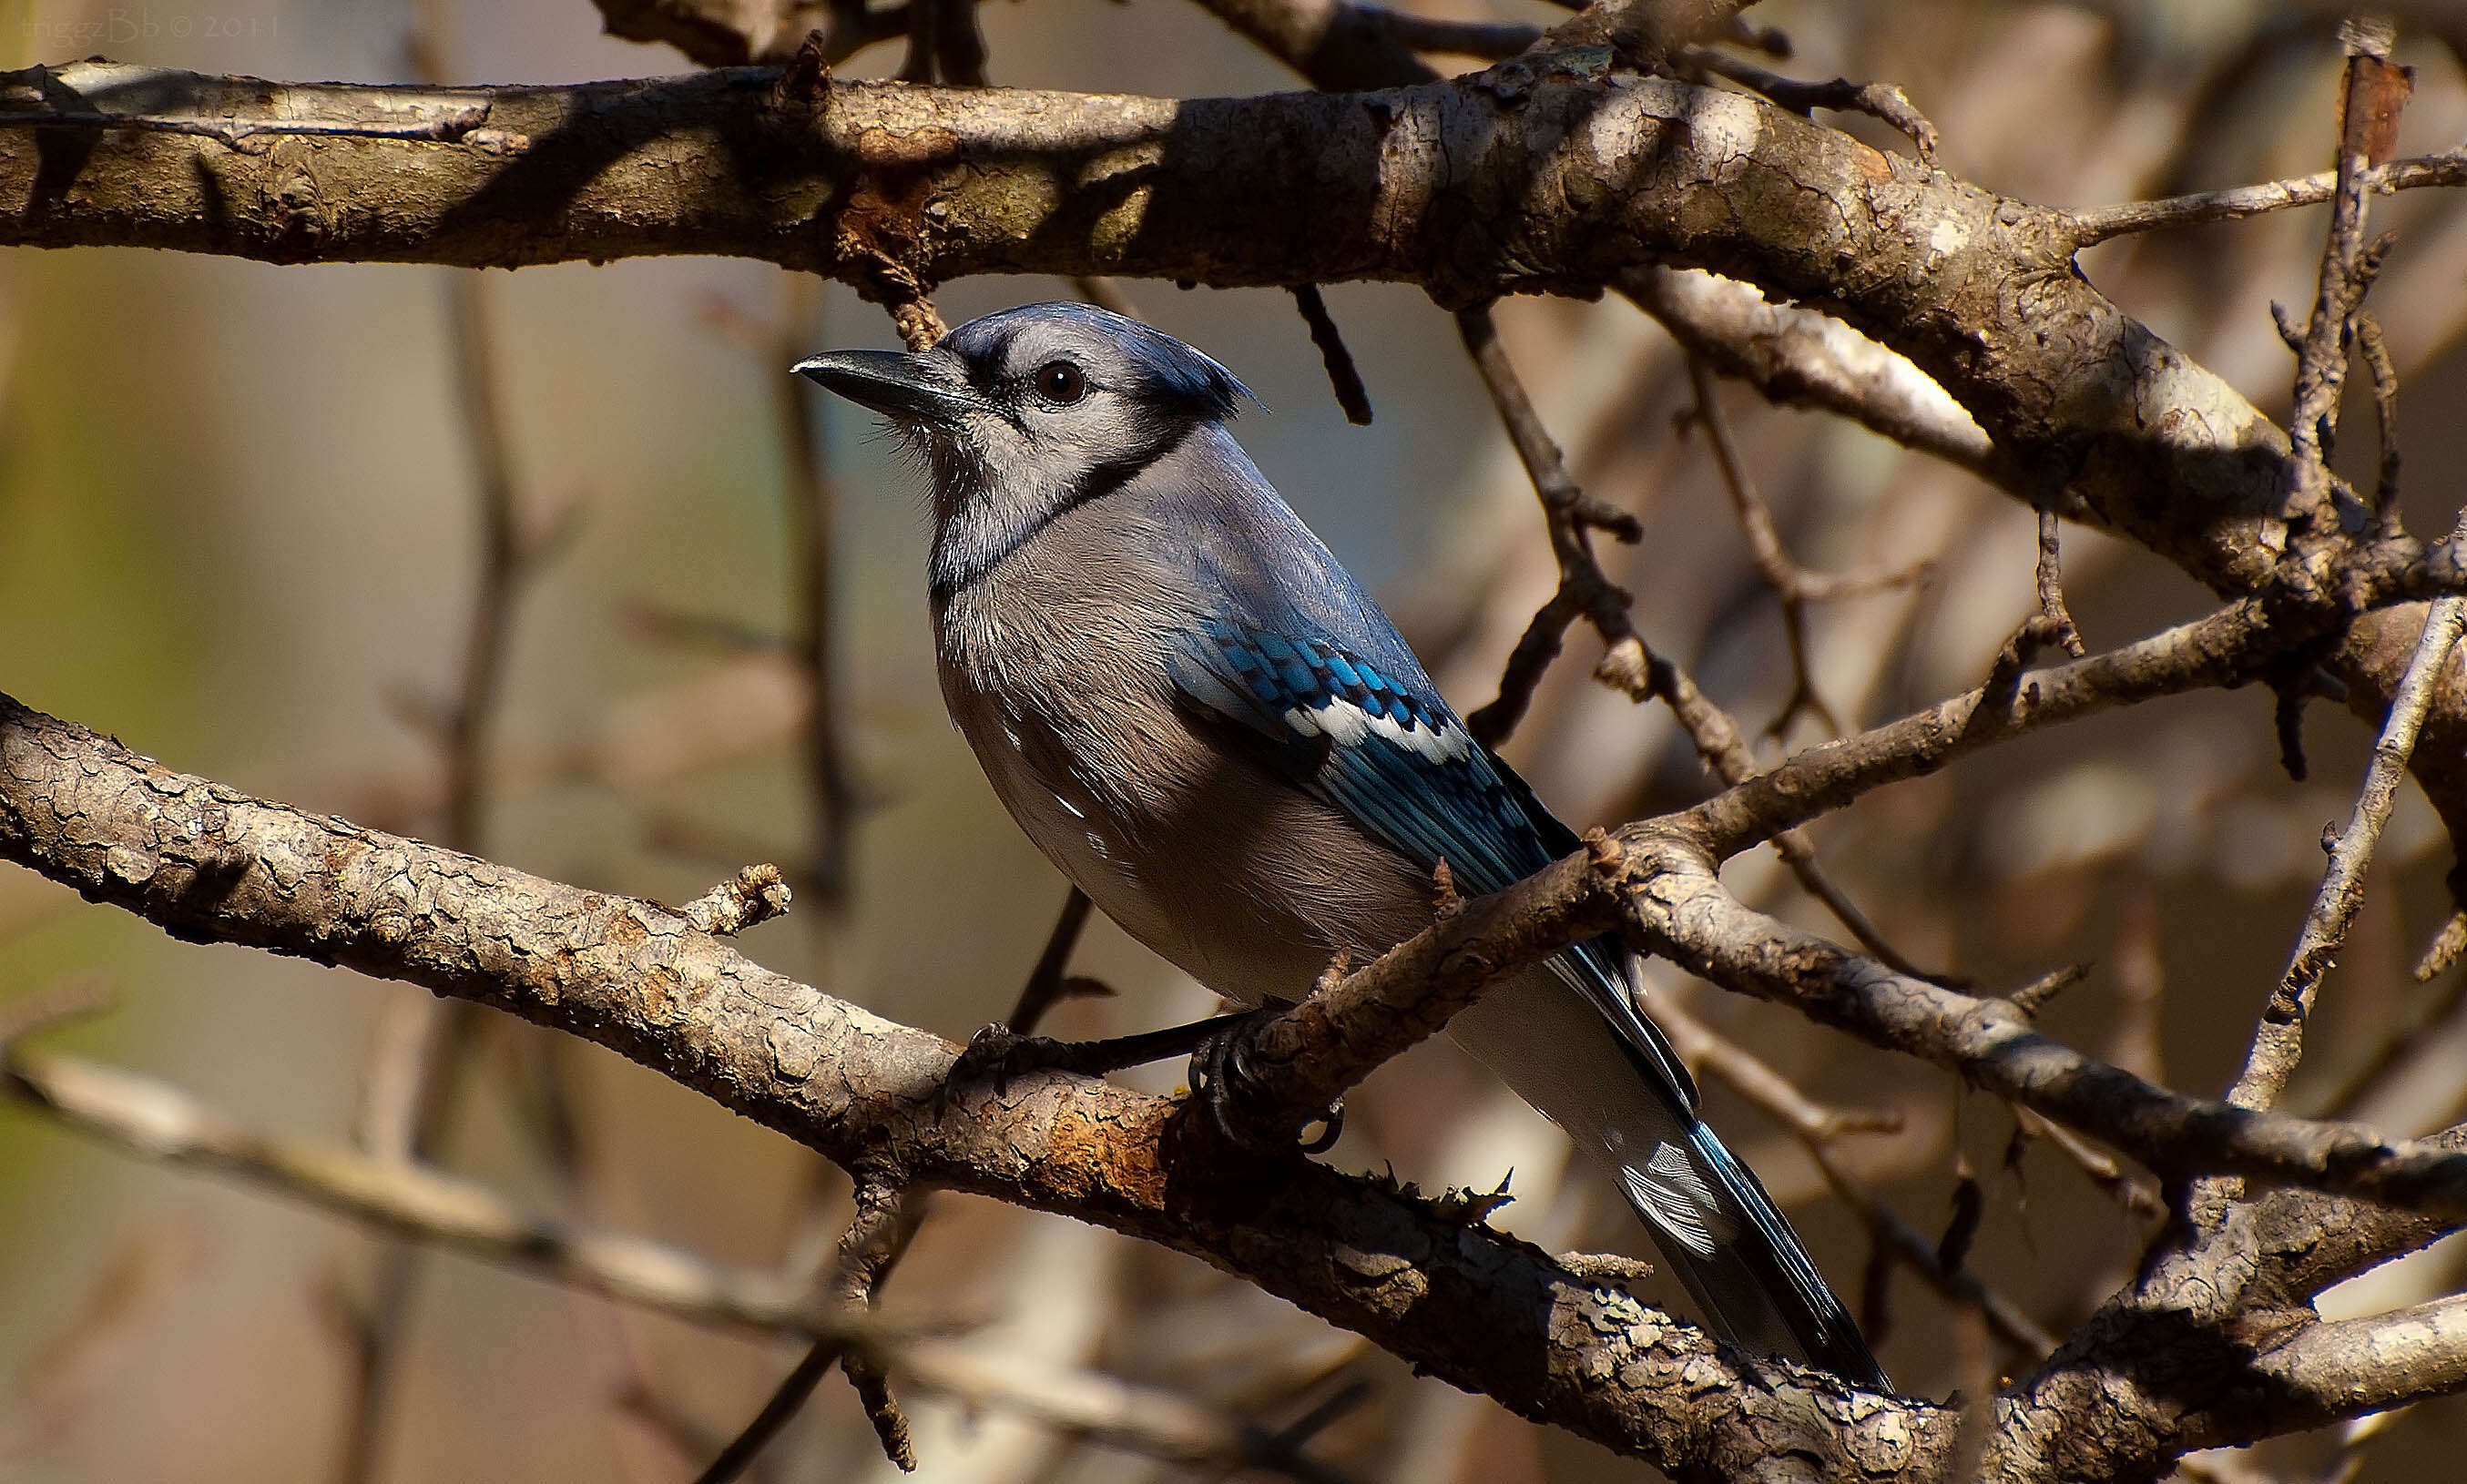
x,y
2032,998
753,896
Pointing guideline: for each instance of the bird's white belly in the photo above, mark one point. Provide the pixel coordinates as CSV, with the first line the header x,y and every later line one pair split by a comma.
x,y
1234,876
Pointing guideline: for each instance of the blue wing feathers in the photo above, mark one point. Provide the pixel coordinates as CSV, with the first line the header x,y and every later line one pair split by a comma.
x,y
1405,768
1359,725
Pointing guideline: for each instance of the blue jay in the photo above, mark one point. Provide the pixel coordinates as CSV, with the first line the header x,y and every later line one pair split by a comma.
x,y
1208,725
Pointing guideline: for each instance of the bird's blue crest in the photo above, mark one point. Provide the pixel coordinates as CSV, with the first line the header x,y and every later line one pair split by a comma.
x,y
1164,368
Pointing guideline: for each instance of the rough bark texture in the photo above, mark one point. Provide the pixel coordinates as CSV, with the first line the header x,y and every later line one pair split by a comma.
x,y
208,863
1540,175
1548,174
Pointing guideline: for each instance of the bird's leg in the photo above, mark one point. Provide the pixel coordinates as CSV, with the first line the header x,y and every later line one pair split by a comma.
x,y
1000,1053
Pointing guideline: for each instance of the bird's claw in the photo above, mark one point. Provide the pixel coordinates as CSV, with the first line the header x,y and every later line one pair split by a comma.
x,y
1221,1081
996,1054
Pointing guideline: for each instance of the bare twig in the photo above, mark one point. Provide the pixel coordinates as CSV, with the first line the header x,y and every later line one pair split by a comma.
x,y
2368,106
2278,1041
1882,101
781,1408
2446,947
2375,351
1489,41
503,557
1105,293
413,1071
1051,982
2100,223
1819,1129
886,1219
2049,578
1342,375
710,631
1570,517
1797,358
2133,1194
1627,665
812,499
2218,650
1793,584
151,1119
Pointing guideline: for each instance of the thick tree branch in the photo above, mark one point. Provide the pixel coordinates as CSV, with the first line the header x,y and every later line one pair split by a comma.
x,y
1485,1312
1529,179
205,861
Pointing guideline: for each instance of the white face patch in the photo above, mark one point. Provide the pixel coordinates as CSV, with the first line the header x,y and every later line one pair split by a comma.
x,y
1345,723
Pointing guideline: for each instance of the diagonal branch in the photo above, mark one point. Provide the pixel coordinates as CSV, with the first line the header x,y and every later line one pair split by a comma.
x,y
209,862
206,860
2278,1040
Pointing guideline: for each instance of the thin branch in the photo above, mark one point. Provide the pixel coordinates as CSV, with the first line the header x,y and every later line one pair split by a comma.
x,y
415,1069
2219,650
151,1119
1793,584
707,631
2383,370
1819,1129
812,501
1490,41
1570,517
2279,1040
1882,100
2374,91
885,1222
1295,1064
1797,358
1342,375
2047,575
886,1219
2097,224
1627,665
504,560
1050,982
2134,1196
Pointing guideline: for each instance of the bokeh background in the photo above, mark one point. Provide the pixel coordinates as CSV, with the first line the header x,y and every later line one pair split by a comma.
x,y
239,529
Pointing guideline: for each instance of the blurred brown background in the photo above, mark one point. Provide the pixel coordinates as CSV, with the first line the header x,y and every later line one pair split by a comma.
x,y
238,531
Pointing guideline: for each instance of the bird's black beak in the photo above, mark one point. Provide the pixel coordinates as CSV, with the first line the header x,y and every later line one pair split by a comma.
x,y
895,385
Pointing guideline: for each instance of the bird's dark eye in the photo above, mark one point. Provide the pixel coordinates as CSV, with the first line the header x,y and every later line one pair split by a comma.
x,y
1061,382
